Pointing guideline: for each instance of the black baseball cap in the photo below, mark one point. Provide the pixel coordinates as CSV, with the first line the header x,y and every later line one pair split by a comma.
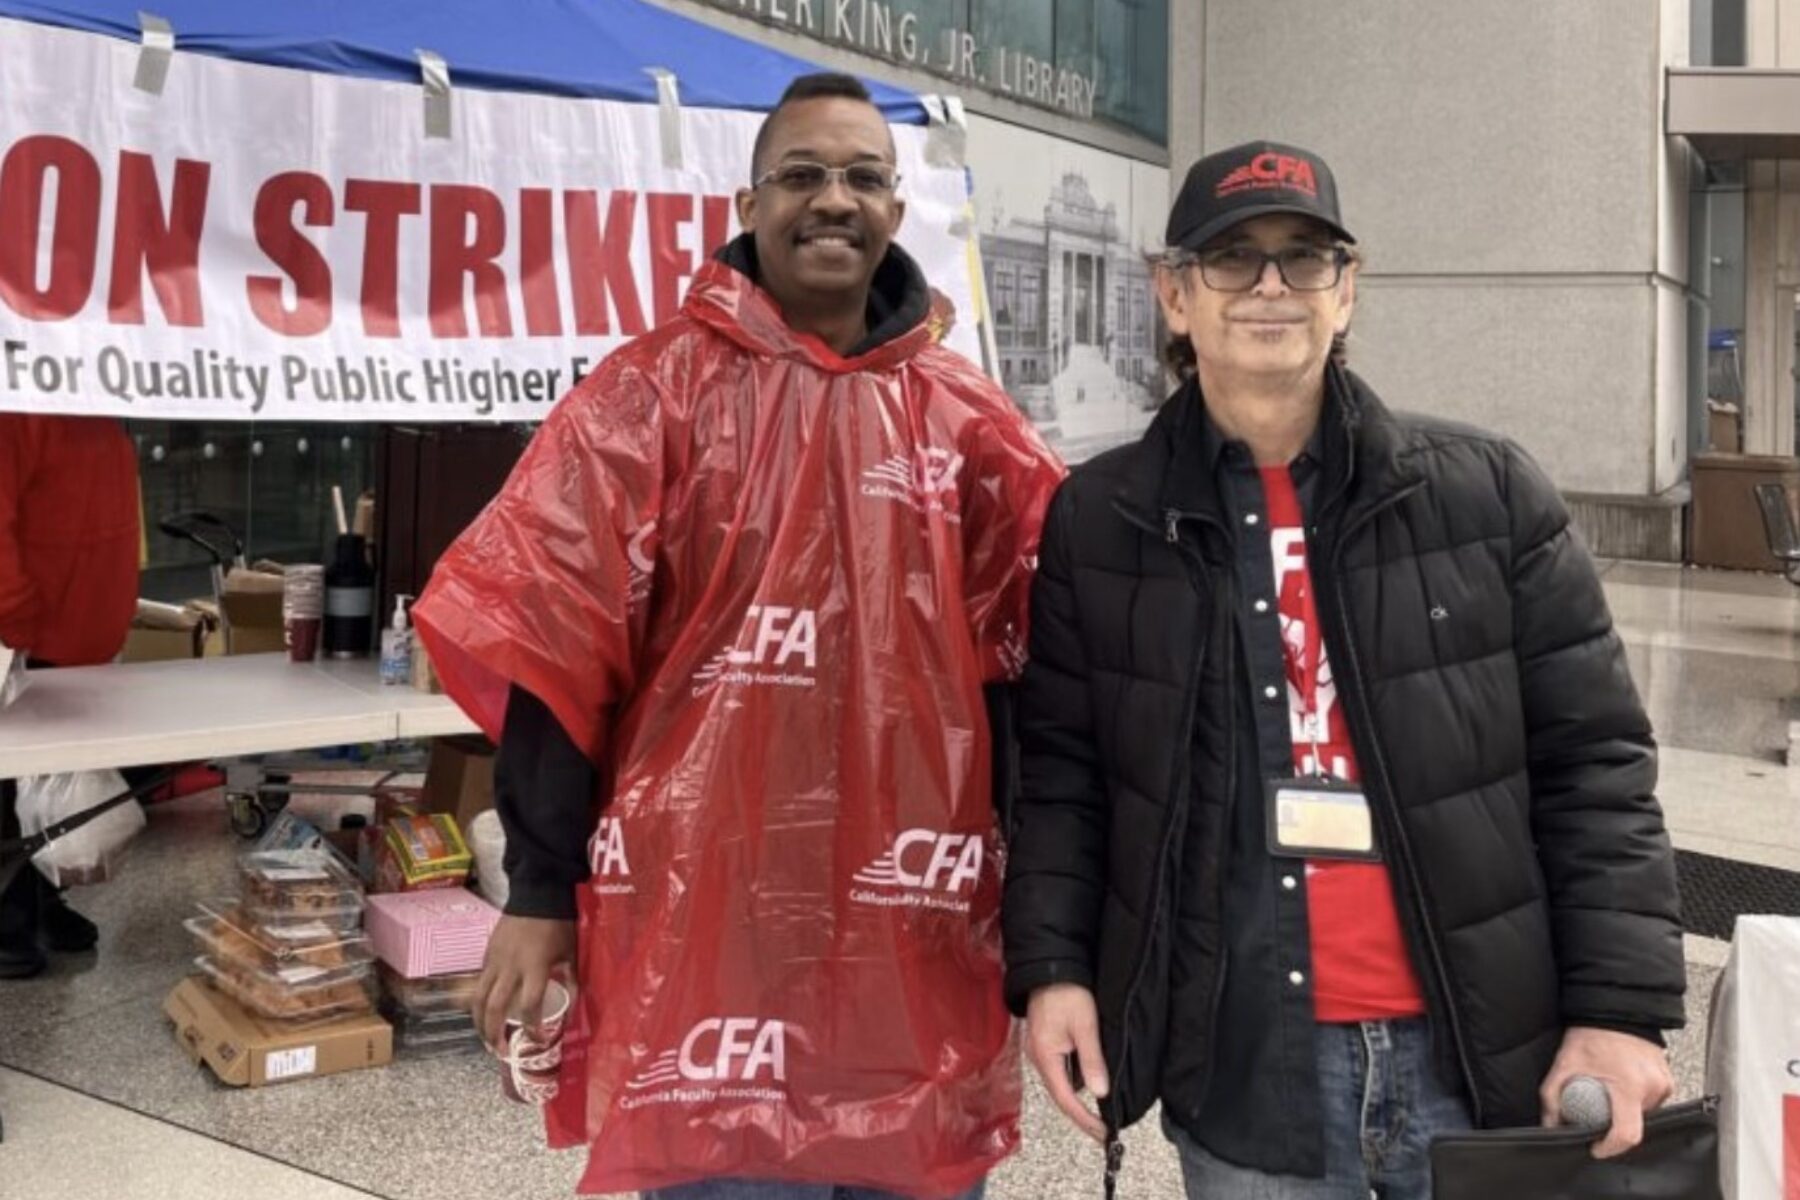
x,y
1252,180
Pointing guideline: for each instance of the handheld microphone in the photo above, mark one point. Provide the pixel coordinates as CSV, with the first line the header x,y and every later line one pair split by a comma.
x,y
1585,1104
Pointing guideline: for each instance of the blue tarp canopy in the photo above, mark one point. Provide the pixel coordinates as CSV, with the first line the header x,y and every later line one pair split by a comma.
x,y
597,49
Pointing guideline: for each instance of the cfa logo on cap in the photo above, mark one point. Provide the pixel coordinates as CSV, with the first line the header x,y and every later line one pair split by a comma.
x,y
1270,170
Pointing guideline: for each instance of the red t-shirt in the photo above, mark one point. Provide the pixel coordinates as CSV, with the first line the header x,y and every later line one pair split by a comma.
x,y
69,536
1361,969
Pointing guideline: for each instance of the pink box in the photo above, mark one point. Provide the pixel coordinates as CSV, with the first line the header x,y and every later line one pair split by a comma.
x,y
439,932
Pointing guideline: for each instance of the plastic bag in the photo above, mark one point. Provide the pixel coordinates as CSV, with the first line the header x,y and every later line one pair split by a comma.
x,y
1753,1059
89,853
487,838
12,675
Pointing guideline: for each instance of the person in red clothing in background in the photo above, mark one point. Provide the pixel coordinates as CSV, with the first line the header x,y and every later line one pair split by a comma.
x,y
69,537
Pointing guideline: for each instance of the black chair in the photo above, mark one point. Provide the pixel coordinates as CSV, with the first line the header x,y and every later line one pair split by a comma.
x,y
1778,528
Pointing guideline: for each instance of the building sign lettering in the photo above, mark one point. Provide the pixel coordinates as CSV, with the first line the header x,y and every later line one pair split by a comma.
x,y
874,27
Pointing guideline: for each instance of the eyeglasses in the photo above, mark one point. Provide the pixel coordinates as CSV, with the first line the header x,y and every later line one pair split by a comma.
x,y
807,178
1239,268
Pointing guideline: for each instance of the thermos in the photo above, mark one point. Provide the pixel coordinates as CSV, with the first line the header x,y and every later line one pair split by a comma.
x,y
349,600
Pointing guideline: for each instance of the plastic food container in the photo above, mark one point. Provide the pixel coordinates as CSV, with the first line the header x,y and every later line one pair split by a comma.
x,y
435,995
293,994
420,1036
411,1042
280,922
230,938
295,884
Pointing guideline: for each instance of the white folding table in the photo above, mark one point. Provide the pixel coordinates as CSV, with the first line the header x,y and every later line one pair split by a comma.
x,y
136,714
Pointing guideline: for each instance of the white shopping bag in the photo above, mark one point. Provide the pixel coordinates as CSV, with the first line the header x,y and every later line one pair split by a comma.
x,y
87,854
12,674
1753,1060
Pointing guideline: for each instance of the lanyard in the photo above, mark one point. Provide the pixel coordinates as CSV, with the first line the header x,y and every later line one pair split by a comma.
x,y
1305,661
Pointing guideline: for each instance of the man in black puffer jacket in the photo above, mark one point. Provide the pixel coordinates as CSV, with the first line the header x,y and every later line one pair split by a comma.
x,y
1336,826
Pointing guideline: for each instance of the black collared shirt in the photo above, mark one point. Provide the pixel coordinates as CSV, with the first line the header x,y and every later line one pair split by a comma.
x,y
1262,1107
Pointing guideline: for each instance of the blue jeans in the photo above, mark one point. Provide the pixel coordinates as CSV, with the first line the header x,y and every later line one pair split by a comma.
x,y
1382,1104
756,1189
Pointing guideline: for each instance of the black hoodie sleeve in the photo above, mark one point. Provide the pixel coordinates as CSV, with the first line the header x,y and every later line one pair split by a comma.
x,y
545,791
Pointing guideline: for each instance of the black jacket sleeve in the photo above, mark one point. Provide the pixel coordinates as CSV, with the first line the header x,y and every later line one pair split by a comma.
x,y
546,792
1608,866
1056,863
1001,701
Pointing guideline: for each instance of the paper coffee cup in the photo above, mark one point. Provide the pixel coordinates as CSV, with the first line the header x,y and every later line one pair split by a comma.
x,y
531,1051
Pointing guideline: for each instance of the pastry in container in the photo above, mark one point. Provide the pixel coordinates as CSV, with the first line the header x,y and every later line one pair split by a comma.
x,y
297,883
229,936
294,993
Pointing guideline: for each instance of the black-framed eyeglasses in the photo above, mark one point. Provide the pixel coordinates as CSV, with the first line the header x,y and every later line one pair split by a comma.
x,y
1238,268
807,178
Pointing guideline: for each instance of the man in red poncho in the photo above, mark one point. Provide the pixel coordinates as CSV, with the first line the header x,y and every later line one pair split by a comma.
x,y
730,622
69,536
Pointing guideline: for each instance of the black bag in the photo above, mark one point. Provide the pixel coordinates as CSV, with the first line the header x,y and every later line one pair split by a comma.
x,y
1677,1160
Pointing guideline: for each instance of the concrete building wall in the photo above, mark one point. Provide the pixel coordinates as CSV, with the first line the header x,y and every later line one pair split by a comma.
x,y
1502,162
1187,68
1772,33
1677,172
1563,366
1670,448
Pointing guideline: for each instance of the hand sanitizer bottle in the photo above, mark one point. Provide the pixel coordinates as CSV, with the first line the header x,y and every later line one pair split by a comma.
x,y
396,646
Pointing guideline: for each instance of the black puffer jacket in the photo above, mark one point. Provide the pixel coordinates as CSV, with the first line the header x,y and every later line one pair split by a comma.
x,y
1507,757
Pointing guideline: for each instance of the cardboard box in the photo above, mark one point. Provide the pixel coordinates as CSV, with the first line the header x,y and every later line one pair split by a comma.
x,y
421,934
252,610
459,780
245,1050
1722,433
165,631
420,852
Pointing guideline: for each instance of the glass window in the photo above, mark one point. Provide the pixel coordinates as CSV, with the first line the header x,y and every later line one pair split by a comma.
x,y
1075,34
1716,33
1129,63
270,482
1021,26
1006,302
1031,299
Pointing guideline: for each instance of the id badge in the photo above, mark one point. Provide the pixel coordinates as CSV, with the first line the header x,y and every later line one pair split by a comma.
x,y
1319,818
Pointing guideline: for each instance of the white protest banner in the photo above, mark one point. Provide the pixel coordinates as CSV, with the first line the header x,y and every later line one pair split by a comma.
x,y
259,243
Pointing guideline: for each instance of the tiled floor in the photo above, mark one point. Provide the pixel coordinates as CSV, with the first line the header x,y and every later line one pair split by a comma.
x,y
109,1106
63,1145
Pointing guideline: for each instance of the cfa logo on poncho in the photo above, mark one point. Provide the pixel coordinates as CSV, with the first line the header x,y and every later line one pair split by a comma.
x,y
925,481
777,647
640,564
925,869
721,1058
607,861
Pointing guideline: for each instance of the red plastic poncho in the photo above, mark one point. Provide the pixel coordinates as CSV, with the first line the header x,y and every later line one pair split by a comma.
x,y
762,585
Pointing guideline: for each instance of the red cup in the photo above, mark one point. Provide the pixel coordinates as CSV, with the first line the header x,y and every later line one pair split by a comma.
x,y
301,634
531,1051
